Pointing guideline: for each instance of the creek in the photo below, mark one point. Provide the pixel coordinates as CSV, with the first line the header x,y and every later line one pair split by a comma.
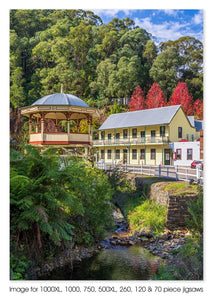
x,y
113,262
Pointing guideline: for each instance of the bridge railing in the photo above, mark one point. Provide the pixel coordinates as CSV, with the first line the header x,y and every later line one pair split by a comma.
x,y
172,172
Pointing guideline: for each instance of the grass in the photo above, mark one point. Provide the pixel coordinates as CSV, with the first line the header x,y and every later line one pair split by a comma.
x,y
140,212
144,214
148,216
180,188
187,263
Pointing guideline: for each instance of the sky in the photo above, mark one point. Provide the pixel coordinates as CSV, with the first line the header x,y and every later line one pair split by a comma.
x,y
163,24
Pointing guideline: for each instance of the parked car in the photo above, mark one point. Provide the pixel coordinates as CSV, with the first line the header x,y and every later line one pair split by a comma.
x,y
197,163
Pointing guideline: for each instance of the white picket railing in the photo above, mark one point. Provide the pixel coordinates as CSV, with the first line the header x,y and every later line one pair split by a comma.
x,y
173,172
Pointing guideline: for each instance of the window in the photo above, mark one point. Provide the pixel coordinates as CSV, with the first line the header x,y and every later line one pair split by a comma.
x,y
109,154
134,153
142,156
189,154
134,133
109,136
102,154
117,154
193,137
180,132
117,136
153,154
125,133
178,154
162,131
102,135
152,136
152,133
143,136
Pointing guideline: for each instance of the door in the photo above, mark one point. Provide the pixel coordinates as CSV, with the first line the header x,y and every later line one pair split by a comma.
x,y
124,156
167,157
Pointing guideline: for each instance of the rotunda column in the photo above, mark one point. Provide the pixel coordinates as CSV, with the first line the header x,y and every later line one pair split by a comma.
x,y
88,120
56,125
68,125
36,126
42,126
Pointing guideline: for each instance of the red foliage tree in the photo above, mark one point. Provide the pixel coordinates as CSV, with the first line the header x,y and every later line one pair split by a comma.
x,y
137,101
181,96
198,109
155,97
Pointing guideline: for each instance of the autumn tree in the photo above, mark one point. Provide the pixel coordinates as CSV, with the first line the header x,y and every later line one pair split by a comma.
x,y
198,109
155,97
137,101
181,96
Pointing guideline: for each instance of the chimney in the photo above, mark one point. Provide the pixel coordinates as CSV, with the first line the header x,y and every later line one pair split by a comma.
x,y
61,88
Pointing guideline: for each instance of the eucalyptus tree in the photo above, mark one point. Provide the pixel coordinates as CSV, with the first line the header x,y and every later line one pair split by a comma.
x,y
191,51
125,77
166,70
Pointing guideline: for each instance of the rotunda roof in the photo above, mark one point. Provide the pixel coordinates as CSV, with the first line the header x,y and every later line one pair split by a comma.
x,y
60,99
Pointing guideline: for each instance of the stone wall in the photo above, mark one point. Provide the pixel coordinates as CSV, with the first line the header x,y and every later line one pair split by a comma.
x,y
177,210
176,205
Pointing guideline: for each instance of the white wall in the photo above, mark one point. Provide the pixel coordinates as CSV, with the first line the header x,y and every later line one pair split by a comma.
x,y
195,146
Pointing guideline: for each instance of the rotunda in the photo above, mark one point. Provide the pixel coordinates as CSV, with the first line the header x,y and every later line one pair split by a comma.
x,y
52,109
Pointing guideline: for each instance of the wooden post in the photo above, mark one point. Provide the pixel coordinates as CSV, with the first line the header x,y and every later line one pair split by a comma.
x,y
30,124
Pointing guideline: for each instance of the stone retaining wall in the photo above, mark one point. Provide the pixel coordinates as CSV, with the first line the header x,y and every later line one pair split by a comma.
x,y
176,205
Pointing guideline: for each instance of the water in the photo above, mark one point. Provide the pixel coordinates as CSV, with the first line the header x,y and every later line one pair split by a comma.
x,y
119,263
114,263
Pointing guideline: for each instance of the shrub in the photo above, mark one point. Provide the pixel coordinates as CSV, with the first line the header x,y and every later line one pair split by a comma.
x,y
195,208
54,205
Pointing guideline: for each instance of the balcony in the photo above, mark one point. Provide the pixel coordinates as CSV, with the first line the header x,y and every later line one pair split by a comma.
x,y
60,138
132,141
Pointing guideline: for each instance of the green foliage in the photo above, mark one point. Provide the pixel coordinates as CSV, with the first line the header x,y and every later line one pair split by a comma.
x,y
95,194
93,60
187,264
195,208
53,204
36,197
180,188
148,216
18,266
165,69
115,108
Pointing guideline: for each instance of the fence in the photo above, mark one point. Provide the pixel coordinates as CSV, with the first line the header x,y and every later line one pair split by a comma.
x,y
173,172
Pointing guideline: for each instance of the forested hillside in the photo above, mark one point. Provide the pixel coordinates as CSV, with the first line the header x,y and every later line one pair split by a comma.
x,y
95,61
